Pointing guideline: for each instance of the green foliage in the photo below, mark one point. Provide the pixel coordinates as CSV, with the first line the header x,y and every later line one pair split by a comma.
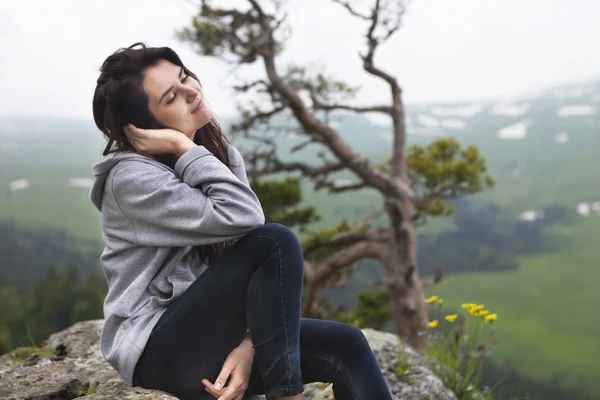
x,y
374,308
206,34
218,32
372,311
441,171
54,304
28,253
311,245
323,89
280,202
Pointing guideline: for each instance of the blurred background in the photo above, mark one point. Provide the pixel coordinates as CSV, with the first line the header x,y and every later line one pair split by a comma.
x,y
520,80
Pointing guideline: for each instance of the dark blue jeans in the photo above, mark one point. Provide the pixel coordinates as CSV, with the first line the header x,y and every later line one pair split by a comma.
x,y
256,284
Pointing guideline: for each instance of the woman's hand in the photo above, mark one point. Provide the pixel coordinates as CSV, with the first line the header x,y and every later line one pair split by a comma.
x,y
239,365
158,141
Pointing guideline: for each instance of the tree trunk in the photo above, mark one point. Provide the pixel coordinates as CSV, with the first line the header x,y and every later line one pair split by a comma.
x,y
309,298
405,287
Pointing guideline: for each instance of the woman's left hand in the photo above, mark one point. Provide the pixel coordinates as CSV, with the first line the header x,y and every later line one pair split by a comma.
x,y
239,365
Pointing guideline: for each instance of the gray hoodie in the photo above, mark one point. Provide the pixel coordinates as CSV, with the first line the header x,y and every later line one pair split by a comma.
x,y
152,217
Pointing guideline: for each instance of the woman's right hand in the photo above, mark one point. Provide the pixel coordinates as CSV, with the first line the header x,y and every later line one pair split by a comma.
x,y
158,141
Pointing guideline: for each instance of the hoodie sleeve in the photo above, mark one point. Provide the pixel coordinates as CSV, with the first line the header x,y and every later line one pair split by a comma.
x,y
203,203
238,166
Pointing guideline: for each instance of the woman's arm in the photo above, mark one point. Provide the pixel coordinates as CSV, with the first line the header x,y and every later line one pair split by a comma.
x,y
203,203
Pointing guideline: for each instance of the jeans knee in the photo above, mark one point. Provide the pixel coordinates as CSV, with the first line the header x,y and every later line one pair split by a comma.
x,y
353,337
279,233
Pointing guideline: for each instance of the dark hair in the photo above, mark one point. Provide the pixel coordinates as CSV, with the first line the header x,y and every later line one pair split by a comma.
x,y
120,99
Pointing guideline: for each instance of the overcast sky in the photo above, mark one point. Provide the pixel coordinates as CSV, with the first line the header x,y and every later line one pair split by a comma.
x,y
447,49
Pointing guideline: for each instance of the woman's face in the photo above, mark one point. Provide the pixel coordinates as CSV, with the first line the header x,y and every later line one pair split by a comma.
x,y
176,99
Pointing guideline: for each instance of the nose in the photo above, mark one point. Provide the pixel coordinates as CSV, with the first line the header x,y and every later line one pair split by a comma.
x,y
189,92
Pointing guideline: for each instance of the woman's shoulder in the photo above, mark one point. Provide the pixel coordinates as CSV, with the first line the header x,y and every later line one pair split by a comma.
x,y
139,170
234,153
134,161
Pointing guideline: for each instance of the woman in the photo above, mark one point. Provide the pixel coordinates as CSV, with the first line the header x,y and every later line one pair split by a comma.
x,y
204,297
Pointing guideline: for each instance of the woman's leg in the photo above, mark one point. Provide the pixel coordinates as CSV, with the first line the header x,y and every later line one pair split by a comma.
x,y
340,354
255,284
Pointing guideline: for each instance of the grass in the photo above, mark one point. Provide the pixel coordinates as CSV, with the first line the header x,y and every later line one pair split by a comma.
x,y
31,354
547,308
54,207
24,355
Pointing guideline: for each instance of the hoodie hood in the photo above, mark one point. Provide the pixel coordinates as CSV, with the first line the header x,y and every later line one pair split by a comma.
x,y
101,170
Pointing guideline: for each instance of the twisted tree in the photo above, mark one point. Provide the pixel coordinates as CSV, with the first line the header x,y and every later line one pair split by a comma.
x,y
441,171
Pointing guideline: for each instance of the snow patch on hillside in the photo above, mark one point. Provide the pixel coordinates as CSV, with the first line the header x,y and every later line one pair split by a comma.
x,y
585,209
379,119
19,184
464,111
562,137
80,182
578,110
531,215
428,121
510,110
515,131
454,123
573,91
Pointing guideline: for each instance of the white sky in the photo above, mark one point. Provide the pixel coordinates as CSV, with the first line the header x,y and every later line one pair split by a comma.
x,y
447,50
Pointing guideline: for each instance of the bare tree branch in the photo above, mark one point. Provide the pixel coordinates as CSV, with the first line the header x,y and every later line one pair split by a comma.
x,y
351,9
347,239
302,145
380,109
308,270
353,235
337,187
275,165
350,255
248,122
247,86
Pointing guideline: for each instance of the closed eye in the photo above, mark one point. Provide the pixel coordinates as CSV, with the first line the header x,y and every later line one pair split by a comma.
x,y
172,99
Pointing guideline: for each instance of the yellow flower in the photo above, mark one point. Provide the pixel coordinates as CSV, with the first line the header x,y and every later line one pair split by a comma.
x,y
432,299
491,318
440,301
483,313
433,323
468,306
451,318
477,307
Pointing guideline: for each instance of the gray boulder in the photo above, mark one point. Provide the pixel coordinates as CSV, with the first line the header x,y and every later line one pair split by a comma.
x,y
70,366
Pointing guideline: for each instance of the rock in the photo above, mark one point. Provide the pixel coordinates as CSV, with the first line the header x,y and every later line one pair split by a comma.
x,y
70,366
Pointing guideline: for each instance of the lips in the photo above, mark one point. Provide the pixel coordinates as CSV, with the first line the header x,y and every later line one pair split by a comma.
x,y
198,106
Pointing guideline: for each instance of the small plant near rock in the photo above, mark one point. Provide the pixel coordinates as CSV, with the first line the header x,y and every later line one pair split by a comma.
x,y
32,355
403,366
90,390
455,356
